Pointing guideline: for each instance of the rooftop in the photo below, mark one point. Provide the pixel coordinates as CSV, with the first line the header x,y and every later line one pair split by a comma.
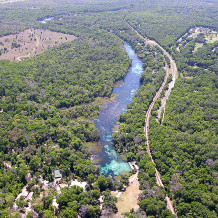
x,y
57,174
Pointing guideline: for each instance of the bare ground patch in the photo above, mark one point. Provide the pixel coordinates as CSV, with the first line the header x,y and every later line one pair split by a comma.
x,y
29,43
129,199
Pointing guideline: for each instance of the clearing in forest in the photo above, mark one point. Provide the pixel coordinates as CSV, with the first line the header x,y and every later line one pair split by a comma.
x,y
129,199
197,46
29,43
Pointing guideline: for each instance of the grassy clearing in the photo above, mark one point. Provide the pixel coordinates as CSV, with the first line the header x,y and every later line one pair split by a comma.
x,y
102,101
211,38
129,199
29,43
94,147
197,46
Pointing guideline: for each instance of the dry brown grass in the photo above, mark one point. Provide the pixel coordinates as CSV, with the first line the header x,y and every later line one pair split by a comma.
x,y
129,199
32,42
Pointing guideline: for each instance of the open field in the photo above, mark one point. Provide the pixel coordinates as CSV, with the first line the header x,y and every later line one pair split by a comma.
x,y
29,43
211,38
197,46
129,199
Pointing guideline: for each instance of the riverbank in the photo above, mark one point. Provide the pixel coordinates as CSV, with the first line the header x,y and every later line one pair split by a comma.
x,y
112,163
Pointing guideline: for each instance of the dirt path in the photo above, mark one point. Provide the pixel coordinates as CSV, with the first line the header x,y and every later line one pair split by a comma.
x,y
164,99
28,55
146,127
129,199
167,94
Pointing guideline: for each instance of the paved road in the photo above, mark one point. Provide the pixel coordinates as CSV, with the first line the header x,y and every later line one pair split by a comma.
x,y
146,127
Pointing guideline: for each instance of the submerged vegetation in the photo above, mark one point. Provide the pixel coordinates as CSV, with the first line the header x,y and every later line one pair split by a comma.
x,y
46,102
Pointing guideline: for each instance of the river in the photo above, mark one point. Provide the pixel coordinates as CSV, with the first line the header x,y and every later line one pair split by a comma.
x,y
111,163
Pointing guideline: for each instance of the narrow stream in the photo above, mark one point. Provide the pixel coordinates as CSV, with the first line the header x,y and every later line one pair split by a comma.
x,y
111,162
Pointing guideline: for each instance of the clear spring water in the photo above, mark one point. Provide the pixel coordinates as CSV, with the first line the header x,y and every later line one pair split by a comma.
x,y
111,163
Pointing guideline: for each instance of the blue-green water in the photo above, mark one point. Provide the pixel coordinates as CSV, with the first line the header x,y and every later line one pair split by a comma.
x,y
111,163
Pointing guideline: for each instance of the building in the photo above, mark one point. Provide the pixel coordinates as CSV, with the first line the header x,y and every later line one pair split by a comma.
x,y
57,174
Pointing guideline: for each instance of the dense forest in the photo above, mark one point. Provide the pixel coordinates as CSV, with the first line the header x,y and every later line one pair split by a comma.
x,y
184,147
187,155
47,101
39,97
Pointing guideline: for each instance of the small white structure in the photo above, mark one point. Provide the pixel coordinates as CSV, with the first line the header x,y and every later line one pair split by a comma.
x,y
133,165
7,165
57,188
44,182
57,174
22,193
15,207
28,177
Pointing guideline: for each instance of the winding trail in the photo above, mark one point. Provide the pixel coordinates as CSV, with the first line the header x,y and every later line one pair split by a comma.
x,y
148,114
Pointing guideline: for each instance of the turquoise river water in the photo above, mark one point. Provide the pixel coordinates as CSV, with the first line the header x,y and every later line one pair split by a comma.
x,y
111,162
